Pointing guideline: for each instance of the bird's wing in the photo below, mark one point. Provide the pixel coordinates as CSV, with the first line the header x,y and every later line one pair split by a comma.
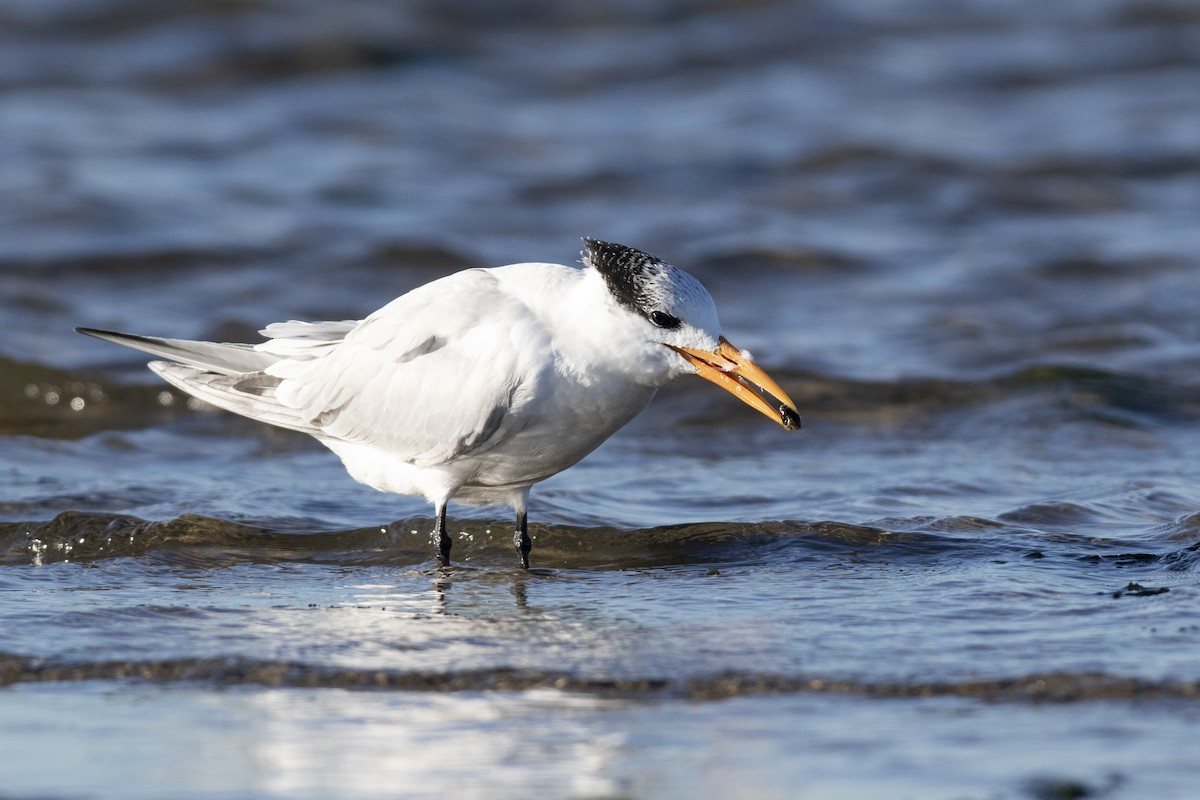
x,y
436,373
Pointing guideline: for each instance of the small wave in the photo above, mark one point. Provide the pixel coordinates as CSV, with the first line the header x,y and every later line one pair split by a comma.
x,y
1052,688
190,539
1184,529
195,540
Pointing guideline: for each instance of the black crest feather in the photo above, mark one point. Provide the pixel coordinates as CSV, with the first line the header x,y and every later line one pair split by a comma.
x,y
627,271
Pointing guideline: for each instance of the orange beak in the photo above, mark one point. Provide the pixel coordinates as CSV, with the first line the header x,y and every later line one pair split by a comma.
x,y
728,368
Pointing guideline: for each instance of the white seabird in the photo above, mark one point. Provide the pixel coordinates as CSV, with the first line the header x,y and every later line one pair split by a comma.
x,y
478,385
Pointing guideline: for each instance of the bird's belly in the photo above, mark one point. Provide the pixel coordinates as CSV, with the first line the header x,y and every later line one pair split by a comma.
x,y
543,448
526,460
540,446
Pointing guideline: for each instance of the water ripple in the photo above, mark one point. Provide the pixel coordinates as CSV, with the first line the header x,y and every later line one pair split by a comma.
x,y
1048,688
200,541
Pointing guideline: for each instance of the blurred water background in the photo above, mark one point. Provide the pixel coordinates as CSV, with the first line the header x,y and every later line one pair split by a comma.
x,y
964,236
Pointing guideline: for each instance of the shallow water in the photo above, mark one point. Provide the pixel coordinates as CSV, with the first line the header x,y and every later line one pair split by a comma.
x,y
964,241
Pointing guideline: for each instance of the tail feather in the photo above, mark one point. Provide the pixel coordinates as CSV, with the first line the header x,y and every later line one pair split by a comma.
x,y
222,358
233,376
248,395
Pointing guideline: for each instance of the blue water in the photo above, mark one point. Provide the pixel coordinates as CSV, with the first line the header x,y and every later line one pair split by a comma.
x,y
964,240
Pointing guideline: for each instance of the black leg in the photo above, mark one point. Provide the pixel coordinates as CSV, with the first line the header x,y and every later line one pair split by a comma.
x,y
521,539
444,541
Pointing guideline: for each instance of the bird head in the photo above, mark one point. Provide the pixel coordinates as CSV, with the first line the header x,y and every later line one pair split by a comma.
x,y
674,310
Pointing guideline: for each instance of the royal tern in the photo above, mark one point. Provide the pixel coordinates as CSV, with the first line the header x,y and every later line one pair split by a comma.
x,y
478,385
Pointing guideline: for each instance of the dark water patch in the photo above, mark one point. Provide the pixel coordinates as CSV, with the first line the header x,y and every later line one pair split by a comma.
x,y
961,191
116,263
874,156
944,192
1129,398
42,401
1149,12
1133,165
1050,788
1046,196
894,401
1053,687
1124,560
112,18
727,543
808,260
1085,268
1150,398
1135,589
1054,514
208,44
1048,688
1095,55
218,45
306,56
425,259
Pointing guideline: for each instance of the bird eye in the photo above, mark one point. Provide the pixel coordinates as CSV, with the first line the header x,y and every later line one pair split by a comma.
x,y
665,320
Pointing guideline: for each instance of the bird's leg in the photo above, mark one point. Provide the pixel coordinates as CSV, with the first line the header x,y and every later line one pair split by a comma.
x,y
444,541
521,539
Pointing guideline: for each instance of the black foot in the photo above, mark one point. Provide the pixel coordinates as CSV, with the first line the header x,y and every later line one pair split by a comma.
x,y
522,541
444,540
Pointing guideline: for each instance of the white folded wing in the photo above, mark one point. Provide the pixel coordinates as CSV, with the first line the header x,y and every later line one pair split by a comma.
x,y
439,372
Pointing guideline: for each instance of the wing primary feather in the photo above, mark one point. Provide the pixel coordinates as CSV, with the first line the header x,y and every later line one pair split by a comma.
x,y
224,358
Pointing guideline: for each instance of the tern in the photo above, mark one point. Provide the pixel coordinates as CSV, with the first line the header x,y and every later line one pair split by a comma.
x,y
478,385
